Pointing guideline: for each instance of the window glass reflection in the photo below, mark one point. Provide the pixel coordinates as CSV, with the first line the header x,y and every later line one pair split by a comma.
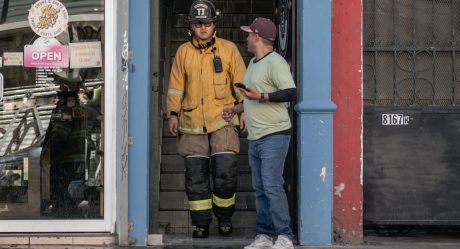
x,y
51,150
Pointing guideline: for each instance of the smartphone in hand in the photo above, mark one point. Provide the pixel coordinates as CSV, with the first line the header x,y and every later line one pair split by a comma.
x,y
241,85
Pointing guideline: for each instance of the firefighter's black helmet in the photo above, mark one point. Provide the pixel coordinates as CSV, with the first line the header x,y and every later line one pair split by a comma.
x,y
202,11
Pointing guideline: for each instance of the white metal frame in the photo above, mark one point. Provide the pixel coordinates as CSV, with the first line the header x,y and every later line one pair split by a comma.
x,y
108,223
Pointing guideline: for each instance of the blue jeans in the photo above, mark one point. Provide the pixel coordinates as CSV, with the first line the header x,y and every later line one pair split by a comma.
x,y
266,157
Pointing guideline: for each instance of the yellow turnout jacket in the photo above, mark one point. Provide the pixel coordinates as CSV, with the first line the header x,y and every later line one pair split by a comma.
x,y
197,93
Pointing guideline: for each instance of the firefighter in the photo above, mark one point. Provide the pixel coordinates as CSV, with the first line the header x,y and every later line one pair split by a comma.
x,y
201,85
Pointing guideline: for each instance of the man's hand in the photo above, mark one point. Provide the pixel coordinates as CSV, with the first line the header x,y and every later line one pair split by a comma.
x,y
227,113
250,93
172,125
243,126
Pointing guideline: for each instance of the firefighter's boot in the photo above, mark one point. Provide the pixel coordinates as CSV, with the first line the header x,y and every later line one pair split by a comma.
x,y
198,192
225,227
224,173
200,232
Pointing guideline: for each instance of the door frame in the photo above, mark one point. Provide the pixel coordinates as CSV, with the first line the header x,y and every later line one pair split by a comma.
x,y
107,224
156,118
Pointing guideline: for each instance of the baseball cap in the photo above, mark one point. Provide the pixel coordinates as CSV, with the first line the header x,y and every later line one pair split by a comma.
x,y
262,26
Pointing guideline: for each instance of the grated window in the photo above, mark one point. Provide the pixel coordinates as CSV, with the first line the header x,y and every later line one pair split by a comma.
x,y
411,52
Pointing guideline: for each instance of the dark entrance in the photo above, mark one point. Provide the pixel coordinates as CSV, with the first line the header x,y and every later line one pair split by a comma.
x,y
411,112
169,205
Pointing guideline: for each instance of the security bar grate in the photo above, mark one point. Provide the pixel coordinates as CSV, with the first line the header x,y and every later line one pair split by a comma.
x,y
411,52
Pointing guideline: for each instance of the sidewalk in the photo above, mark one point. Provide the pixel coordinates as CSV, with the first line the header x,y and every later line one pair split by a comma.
x,y
385,245
371,242
438,242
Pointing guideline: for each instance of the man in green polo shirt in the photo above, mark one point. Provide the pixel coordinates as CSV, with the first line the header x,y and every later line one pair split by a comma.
x,y
269,89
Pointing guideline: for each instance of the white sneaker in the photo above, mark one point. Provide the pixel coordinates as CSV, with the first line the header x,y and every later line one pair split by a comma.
x,y
283,242
261,241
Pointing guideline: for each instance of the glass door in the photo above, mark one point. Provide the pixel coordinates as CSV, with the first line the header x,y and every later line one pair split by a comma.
x,y
52,84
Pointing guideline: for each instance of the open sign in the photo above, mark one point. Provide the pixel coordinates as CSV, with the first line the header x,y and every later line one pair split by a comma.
x,y
50,56
53,56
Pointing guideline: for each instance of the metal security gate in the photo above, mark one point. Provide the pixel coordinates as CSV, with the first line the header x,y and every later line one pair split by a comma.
x,y
411,52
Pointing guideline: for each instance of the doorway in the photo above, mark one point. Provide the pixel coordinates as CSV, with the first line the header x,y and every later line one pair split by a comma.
x,y
169,206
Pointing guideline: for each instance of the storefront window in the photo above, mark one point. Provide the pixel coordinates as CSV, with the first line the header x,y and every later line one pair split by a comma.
x,y
51,109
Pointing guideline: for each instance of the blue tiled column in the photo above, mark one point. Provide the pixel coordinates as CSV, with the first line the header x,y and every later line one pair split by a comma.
x,y
138,120
315,116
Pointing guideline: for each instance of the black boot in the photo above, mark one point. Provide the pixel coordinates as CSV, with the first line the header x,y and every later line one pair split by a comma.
x,y
224,172
201,232
197,188
225,228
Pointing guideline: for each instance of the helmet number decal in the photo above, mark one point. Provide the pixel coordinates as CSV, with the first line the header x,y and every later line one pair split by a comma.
x,y
201,11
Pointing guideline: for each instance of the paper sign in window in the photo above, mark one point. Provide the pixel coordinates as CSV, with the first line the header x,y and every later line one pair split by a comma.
x,y
85,55
12,59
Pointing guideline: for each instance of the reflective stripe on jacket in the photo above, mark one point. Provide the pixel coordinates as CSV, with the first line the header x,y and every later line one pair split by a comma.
x,y
197,93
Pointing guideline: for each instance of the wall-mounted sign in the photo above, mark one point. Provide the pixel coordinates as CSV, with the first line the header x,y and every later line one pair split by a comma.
x,y
283,26
12,59
395,119
85,55
48,18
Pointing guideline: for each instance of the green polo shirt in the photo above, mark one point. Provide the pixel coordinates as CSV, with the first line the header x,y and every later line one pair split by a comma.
x,y
269,74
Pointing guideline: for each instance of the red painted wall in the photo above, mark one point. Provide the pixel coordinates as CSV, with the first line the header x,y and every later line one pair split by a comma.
x,y
347,94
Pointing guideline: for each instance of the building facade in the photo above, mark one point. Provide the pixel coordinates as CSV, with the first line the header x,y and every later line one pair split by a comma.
x,y
83,147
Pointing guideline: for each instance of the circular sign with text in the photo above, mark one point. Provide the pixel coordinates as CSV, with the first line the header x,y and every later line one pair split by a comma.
x,y
48,18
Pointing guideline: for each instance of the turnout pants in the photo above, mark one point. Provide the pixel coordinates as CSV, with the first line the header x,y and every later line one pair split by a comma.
x,y
211,156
